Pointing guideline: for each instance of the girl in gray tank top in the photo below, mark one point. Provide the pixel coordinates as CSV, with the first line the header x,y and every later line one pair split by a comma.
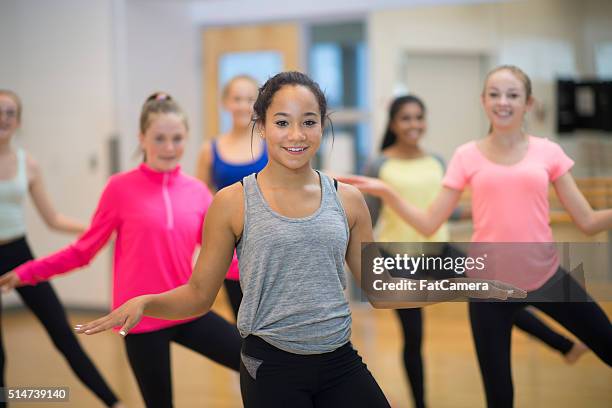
x,y
293,232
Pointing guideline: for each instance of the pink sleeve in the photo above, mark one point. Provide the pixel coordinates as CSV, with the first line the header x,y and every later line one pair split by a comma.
x,y
456,175
560,163
81,252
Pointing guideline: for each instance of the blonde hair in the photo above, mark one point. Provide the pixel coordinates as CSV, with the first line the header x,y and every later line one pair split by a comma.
x,y
517,72
156,103
228,85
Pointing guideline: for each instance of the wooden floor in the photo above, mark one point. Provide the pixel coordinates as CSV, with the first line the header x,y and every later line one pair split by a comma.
x,y
541,377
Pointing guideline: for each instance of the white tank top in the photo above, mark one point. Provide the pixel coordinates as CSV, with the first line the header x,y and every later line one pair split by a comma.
x,y
12,195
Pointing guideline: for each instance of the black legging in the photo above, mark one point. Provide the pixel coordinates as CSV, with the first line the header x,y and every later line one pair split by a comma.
x,y
492,325
44,303
149,353
234,293
412,327
411,321
273,378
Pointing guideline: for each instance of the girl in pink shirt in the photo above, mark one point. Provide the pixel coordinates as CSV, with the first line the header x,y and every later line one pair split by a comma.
x,y
406,167
509,173
157,213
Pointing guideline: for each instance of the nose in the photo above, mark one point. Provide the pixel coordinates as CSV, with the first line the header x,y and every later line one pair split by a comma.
x,y
503,99
296,134
168,146
246,104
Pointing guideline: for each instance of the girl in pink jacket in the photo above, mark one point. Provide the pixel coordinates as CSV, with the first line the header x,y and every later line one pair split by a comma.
x,y
157,213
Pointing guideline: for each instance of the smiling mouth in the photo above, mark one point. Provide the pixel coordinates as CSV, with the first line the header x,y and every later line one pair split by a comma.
x,y
503,114
295,150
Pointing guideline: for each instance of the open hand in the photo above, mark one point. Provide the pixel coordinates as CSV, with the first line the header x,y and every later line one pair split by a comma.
x,y
10,281
127,316
368,185
497,290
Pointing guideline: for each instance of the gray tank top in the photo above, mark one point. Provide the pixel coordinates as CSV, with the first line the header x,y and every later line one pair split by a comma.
x,y
292,274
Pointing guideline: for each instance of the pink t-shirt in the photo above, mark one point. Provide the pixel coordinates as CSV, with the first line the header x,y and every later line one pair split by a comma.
x,y
157,218
510,202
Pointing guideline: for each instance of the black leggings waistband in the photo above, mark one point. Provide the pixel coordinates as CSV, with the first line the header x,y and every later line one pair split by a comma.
x,y
13,254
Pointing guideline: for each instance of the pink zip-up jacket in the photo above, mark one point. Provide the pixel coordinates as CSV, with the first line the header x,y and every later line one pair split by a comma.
x,y
158,219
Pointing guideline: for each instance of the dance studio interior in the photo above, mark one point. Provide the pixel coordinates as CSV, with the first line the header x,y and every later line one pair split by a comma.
x,y
82,70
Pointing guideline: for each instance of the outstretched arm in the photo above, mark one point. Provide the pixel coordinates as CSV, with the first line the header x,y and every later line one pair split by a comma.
x,y
586,219
222,225
427,221
361,232
75,255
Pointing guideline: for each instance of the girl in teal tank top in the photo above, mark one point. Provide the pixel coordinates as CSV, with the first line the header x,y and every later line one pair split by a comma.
x,y
20,174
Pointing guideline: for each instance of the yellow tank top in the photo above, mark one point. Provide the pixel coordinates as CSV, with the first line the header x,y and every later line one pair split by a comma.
x,y
418,181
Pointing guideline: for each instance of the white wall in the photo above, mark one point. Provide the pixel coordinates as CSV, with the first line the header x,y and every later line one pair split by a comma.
x,y
598,13
57,57
215,12
83,70
162,53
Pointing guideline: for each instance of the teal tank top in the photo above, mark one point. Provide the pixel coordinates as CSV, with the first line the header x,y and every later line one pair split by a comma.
x,y
12,196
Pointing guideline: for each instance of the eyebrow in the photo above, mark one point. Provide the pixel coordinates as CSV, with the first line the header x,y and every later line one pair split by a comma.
x,y
288,115
493,88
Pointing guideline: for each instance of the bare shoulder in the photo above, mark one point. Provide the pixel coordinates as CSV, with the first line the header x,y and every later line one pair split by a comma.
x,y
206,150
231,195
353,202
228,203
349,192
32,167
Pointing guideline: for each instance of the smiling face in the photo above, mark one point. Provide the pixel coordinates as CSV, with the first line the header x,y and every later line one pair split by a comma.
x,y
9,117
409,124
238,101
163,141
505,100
293,127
